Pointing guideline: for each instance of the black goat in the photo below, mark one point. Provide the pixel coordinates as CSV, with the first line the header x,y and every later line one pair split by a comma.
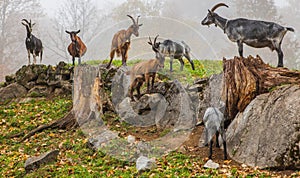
x,y
33,44
257,34
175,50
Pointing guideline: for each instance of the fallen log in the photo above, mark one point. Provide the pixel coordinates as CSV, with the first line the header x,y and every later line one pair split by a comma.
x,y
245,78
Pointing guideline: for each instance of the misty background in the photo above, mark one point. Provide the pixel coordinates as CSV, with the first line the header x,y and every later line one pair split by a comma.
x,y
171,19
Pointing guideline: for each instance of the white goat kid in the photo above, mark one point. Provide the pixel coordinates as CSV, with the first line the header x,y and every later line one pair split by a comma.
x,y
214,125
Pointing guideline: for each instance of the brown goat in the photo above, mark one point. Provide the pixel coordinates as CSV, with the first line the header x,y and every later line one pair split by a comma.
x,y
145,70
121,41
76,48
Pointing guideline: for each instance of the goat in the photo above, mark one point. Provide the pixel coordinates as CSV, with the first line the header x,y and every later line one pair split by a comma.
x,y
214,125
33,44
175,50
254,33
76,48
145,70
121,41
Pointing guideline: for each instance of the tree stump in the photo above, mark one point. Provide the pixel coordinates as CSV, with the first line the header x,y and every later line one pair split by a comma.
x,y
245,78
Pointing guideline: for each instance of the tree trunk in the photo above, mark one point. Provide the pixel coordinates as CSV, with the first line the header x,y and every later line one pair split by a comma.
x,y
245,78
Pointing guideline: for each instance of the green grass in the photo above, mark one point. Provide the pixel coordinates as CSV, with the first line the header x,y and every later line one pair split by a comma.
x,y
203,68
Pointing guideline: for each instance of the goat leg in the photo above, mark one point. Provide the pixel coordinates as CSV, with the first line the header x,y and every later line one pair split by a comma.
x,y
73,60
34,57
240,46
210,149
79,60
132,86
28,51
181,64
124,53
138,89
171,63
225,149
190,60
217,139
280,56
147,80
112,54
152,82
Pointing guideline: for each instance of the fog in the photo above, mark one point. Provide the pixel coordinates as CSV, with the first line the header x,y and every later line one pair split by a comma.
x,y
170,19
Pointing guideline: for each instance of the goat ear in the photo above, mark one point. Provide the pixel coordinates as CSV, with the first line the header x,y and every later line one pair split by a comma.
x,y
150,43
140,24
68,32
32,24
210,12
77,31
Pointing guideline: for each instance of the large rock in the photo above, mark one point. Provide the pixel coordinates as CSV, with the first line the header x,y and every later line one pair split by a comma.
x,y
267,133
209,95
12,91
143,164
169,106
33,163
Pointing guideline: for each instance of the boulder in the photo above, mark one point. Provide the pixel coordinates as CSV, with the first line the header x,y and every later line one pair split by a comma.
x,y
267,133
209,94
12,91
33,163
144,164
147,111
169,106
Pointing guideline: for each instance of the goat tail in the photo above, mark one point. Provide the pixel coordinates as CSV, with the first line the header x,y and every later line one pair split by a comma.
x,y
290,29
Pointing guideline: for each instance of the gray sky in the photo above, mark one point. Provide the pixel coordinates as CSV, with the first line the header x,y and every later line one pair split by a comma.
x,y
52,5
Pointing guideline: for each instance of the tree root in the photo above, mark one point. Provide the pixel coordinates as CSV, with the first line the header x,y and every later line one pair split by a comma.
x,y
67,122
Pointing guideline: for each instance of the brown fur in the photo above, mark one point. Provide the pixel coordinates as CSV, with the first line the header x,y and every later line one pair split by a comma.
x,y
121,42
76,48
143,71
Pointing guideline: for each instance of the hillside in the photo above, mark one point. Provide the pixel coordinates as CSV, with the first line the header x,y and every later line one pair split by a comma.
x,y
19,116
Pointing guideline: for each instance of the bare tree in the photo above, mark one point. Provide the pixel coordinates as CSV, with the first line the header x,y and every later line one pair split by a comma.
x,y
74,15
138,7
12,33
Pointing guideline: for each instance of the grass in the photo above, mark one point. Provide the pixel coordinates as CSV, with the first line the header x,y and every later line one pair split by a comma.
x,y
75,158
203,68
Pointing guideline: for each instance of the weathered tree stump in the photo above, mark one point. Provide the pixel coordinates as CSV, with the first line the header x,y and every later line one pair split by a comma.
x,y
245,78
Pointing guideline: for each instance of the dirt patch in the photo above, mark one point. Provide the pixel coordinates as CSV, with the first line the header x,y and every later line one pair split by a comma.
x,y
189,147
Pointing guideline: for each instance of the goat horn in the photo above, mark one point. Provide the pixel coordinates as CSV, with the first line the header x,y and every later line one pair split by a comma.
x,y
150,40
137,19
131,19
153,45
25,21
217,6
155,39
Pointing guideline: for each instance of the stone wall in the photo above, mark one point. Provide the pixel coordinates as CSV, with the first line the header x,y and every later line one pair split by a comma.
x,y
37,81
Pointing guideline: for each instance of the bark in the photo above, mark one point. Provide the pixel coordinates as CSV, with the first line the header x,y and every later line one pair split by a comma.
x,y
67,122
245,78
